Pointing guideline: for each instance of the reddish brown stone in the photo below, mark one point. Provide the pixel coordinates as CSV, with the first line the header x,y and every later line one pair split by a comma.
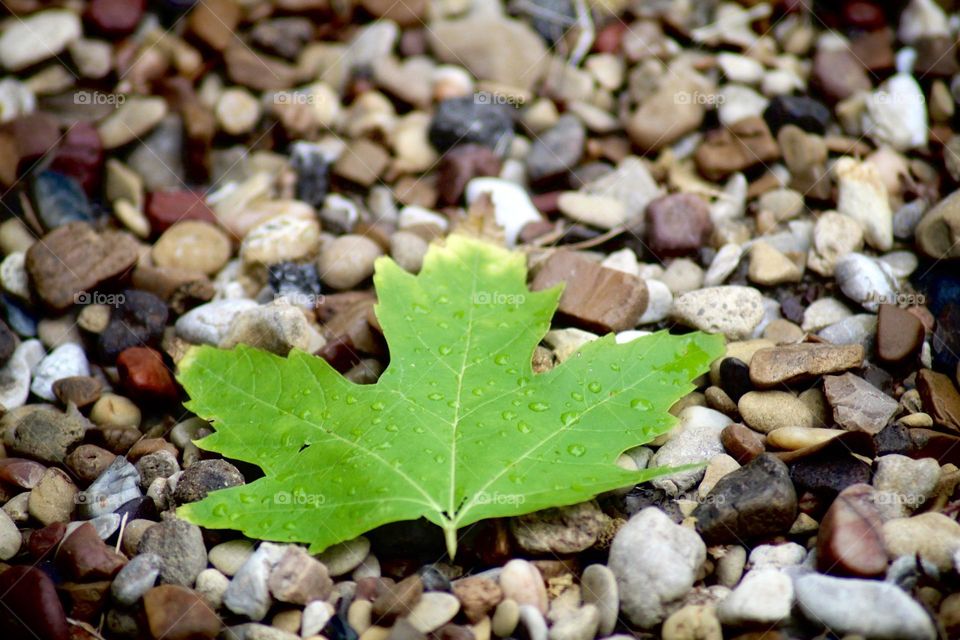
x,y
850,540
165,208
258,72
29,606
609,37
407,14
73,258
863,15
177,613
21,472
677,224
80,390
899,335
461,164
88,461
741,442
214,22
84,555
115,18
42,541
874,49
150,445
144,374
549,205
594,297
940,399
744,144
80,156
838,74
85,600
936,57
34,136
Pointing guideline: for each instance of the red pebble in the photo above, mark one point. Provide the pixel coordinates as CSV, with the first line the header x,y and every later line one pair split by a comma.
x,y
144,374
34,136
84,555
165,208
43,540
609,38
115,18
80,156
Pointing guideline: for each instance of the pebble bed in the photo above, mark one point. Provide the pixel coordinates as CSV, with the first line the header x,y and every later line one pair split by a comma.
x,y
226,172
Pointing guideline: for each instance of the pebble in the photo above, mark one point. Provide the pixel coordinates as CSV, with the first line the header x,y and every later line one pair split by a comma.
x,y
478,596
277,327
204,476
173,611
10,539
723,264
563,530
910,481
659,303
467,120
144,375
580,624
896,114
938,232
159,464
42,35
777,556
834,235
788,364
248,594
940,398
677,224
347,261
228,557
857,404
732,310
298,578
180,547
63,362
557,150
796,438
501,50
46,434
283,237
858,329
506,617
211,585
682,276
522,583
315,617
763,597
193,245
54,497
656,563
595,210
867,608
766,411
741,443
209,323
598,585
73,259
863,197
934,537
823,313
135,579
690,622
167,207
736,148
342,558
60,200
132,120
757,499
112,410
661,119
433,610
512,207
900,335
15,374
695,438
533,623
850,539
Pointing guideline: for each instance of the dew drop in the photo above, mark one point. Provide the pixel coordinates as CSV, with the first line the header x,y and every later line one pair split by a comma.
x,y
419,308
508,415
538,406
392,428
502,359
418,430
445,350
569,417
438,459
614,366
377,406
435,396
351,400
641,404
220,510
595,387
477,391
576,450
576,395
523,427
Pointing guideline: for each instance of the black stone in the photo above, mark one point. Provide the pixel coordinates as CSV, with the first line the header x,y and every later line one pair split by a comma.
x,y
8,342
313,173
300,283
735,378
60,199
894,438
478,119
756,500
555,152
29,606
807,113
829,473
338,628
138,320
205,476
646,495
946,339
19,317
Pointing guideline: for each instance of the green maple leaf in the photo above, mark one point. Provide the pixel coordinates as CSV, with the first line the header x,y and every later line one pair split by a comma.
x,y
457,429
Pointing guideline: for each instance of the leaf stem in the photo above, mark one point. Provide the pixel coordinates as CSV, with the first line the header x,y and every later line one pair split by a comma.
x,y
450,536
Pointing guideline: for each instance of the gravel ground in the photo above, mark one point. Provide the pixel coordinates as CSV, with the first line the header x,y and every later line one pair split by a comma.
x,y
226,172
